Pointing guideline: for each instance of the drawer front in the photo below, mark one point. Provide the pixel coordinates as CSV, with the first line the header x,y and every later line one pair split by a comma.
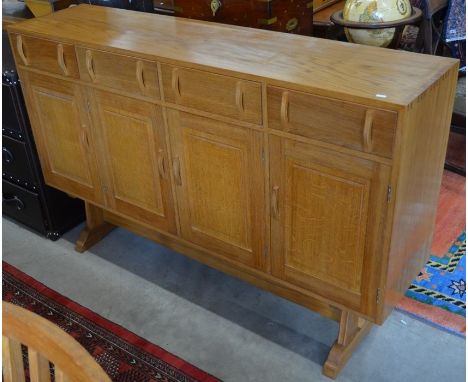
x,y
22,205
14,114
217,94
115,71
15,159
333,121
46,55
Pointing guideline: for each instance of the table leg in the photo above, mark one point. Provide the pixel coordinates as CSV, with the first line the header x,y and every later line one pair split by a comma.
x,y
352,330
96,228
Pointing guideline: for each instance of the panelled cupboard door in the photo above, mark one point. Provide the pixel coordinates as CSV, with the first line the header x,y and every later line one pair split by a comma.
x,y
61,127
134,160
327,217
219,180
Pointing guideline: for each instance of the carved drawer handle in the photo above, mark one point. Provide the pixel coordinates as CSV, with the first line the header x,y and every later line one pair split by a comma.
x,y
240,97
61,59
367,131
20,48
13,200
161,164
139,75
84,138
176,168
176,83
285,109
7,155
90,66
274,202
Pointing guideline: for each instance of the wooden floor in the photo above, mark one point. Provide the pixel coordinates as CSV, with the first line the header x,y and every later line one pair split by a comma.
x,y
451,214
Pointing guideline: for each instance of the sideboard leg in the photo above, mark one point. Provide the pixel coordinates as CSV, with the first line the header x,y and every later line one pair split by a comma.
x,y
352,330
96,228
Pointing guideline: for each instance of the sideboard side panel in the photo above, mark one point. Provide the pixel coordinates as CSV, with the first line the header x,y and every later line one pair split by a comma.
x,y
420,164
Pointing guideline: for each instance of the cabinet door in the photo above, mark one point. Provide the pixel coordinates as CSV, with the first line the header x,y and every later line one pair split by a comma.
x,y
60,123
328,211
134,158
219,177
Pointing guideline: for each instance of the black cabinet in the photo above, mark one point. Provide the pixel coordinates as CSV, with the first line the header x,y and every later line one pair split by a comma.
x,y
25,196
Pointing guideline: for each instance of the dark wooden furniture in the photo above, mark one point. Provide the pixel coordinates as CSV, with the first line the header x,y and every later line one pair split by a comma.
x,y
293,16
456,151
323,27
25,196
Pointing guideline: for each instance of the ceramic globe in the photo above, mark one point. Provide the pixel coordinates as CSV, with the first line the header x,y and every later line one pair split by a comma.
x,y
374,11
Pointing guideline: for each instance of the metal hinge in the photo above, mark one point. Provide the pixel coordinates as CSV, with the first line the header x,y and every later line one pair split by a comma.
x,y
389,193
263,155
265,251
377,296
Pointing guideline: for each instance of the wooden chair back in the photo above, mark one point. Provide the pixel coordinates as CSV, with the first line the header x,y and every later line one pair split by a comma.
x,y
46,343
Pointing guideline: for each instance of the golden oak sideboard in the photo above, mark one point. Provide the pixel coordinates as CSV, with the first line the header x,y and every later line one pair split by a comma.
x,y
310,168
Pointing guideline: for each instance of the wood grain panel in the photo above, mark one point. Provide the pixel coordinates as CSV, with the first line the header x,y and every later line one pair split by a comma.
x,y
134,158
325,214
423,144
219,185
219,177
50,56
62,134
210,92
328,213
332,121
129,74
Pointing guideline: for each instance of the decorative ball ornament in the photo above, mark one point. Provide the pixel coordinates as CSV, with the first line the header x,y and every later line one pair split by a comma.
x,y
374,11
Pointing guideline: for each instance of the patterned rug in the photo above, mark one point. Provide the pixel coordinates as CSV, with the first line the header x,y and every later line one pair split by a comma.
x,y
125,356
438,294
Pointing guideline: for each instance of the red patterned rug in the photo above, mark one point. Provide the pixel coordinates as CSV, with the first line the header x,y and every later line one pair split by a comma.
x,y
125,356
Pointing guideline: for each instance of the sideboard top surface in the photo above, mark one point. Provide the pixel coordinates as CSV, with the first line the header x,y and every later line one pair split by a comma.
x,y
377,76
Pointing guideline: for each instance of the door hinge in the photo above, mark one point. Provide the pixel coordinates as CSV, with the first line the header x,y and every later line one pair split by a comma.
x,y
389,194
378,296
263,155
265,251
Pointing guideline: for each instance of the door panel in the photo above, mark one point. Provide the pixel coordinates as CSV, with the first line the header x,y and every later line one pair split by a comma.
x,y
328,211
134,156
327,214
61,131
219,175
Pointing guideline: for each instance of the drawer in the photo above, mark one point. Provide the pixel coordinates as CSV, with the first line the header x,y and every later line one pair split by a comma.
x,y
23,206
333,121
127,74
14,114
15,159
217,94
46,55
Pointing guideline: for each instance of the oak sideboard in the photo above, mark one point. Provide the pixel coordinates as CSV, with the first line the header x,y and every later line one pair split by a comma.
x,y
310,168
